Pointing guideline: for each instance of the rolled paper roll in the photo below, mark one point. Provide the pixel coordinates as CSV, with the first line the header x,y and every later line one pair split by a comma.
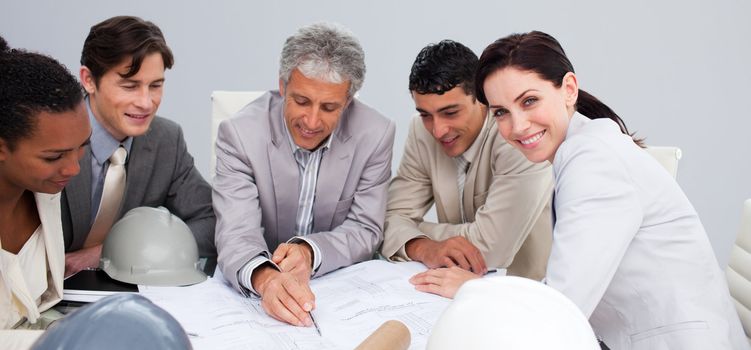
x,y
391,335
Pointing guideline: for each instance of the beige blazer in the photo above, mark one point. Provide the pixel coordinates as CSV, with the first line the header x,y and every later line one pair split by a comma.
x,y
257,185
48,206
506,198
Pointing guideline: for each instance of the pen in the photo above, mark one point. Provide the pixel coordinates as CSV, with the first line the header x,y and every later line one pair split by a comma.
x,y
318,329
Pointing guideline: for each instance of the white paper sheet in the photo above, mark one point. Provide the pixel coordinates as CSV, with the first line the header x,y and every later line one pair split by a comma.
x,y
350,304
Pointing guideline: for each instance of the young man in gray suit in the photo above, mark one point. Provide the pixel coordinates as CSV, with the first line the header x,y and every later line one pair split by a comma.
x,y
492,204
302,172
123,63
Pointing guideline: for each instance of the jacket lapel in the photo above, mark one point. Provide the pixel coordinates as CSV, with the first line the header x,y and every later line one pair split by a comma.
x,y
447,192
479,163
48,207
332,175
140,166
78,196
285,175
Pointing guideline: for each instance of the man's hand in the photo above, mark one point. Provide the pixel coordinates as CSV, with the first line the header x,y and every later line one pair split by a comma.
x,y
283,296
82,259
295,258
455,251
444,281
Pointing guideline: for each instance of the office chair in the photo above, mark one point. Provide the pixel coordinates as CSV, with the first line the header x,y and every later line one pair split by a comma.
x,y
667,156
224,104
739,270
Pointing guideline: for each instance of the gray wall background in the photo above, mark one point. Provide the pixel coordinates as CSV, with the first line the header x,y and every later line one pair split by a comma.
x,y
676,71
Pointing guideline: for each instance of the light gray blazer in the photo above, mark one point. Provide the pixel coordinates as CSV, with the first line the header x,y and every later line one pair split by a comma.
x,y
630,251
160,172
257,184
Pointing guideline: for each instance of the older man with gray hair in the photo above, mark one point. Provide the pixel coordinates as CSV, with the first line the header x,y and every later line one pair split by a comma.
x,y
302,172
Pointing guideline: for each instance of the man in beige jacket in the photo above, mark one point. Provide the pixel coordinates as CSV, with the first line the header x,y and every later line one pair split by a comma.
x,y
492,204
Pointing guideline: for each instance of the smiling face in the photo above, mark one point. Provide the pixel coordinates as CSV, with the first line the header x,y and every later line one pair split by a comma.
x,y
531,112
47,160
312,108
126,106
453,118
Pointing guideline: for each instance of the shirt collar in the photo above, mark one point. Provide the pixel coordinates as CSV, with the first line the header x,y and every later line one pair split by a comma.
x,y
102,143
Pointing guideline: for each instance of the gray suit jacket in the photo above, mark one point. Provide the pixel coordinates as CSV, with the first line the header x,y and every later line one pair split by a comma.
x,y
256,187
630,250
506,202
160,172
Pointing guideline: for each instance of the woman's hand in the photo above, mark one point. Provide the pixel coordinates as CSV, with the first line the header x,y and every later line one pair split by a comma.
x,y
443,281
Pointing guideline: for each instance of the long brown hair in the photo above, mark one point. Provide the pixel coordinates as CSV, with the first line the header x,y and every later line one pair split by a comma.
x,y
540,53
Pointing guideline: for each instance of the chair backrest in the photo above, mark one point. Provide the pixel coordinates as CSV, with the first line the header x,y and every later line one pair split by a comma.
x,y
225,104
739,270
667,156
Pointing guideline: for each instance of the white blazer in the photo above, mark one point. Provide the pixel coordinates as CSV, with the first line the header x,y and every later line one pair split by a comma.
x,y
48,206
629,248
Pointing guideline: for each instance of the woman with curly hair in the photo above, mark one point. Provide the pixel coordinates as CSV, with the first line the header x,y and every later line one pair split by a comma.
x,y
43,129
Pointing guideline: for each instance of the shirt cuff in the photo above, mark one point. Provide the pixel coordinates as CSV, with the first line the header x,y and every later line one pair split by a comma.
x,y
402,252
317,258
245,273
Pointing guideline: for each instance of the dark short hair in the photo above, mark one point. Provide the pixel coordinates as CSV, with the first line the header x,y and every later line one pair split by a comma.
x,y
31,83
441,67
118,38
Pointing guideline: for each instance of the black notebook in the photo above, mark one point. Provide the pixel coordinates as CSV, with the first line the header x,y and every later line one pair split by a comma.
x,y
92,285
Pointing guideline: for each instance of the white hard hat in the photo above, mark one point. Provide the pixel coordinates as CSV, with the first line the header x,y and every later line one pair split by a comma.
x,y
150,246
511,313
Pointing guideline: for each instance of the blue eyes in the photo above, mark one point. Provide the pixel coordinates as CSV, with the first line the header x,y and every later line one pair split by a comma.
x,y
498,113
527,102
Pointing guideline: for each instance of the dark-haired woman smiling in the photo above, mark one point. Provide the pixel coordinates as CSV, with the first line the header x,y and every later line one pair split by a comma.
x,y
43,127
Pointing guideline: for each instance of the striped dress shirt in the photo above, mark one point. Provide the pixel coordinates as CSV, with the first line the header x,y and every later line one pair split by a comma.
x,y
308,164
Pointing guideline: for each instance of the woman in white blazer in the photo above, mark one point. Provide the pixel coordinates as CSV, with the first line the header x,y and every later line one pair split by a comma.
x,y
43,128
628,247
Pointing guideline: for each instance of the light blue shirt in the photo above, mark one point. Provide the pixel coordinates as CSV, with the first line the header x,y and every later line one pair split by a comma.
x,y
102,146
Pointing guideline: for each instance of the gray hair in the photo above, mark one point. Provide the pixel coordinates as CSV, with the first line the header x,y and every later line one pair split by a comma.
x,y
324,51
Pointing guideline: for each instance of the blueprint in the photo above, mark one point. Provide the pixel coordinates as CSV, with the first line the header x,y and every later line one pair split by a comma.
x,y
350,304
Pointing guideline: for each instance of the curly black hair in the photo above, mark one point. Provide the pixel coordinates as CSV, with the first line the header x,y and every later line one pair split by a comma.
x,y
32,83
441,67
